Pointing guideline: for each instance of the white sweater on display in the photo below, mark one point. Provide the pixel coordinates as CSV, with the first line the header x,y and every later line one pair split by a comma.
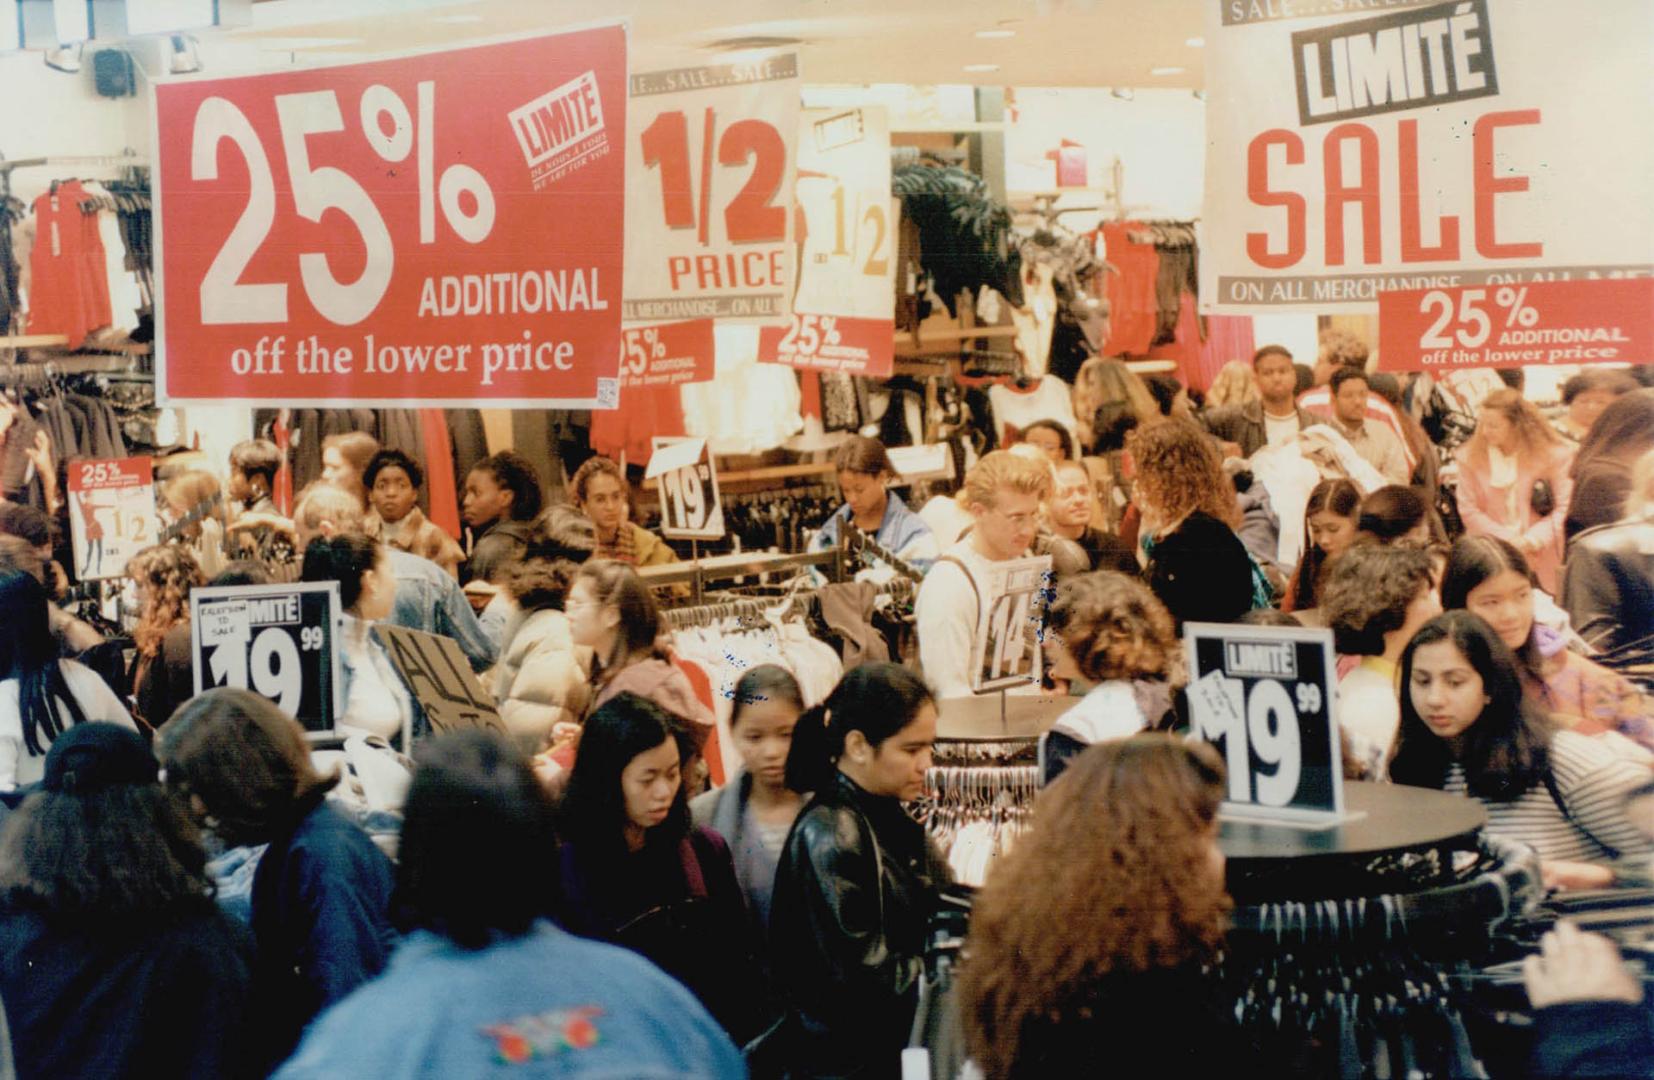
x,y
17,766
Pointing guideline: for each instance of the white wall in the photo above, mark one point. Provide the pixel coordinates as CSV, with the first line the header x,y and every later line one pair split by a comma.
x,y
54,112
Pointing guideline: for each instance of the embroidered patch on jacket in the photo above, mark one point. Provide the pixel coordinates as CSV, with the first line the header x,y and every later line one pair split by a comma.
x,y
519,1041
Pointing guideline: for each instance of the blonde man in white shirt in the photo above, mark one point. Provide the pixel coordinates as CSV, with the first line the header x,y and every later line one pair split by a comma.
x,y
1002,493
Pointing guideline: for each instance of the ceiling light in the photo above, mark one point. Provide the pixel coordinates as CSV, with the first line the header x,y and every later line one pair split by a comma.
x,y
981,67
65,57
1167,71
184,58
1124,93
996,33
1195,42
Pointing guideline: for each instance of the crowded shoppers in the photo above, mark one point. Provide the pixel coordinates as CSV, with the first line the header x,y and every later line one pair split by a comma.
x,y
602,492
864,475
1330,521
393,480
502,495
1269,417
162,668
1515,483
375,700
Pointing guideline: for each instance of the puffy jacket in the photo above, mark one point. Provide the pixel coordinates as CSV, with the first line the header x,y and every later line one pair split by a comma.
x,y
542,677
857,883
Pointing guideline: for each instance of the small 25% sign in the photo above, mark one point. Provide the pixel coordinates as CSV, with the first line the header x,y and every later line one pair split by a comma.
x,y
807,335
1471,324
642,346
226,299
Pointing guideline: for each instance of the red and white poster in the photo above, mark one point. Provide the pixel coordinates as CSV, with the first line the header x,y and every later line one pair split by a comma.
x,y
843,314
668,354
710,159
434,229
1354,148
111,514
1538,323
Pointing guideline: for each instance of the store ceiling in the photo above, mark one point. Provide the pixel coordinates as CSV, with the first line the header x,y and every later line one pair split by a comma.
x,y
1055,43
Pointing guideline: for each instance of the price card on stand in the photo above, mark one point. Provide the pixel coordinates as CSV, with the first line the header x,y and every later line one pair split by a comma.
x,y
1266,697
422,230
111,514
843,312
690,506
1610,320
710,156
1010,624
279,641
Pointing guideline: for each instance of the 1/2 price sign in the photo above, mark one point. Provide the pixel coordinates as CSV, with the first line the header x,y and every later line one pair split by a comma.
x,y
1541,322
1266,697
843,313
427,230
111,514
1010,624
690,506
276,640
710,157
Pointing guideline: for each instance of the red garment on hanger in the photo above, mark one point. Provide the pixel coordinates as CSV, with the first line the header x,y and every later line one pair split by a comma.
x,y
283,493
1133,308
1185,346
69,293
1228,337
440,483
643,414
701,683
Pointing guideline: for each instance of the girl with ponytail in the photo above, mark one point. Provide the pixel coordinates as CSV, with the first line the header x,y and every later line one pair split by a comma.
x,y
858,878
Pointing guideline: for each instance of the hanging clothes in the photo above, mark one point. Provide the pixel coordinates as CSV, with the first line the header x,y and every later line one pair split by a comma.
x,y
1185,348
70,285
440,486
748,407
1134,311
1228,337
1015,408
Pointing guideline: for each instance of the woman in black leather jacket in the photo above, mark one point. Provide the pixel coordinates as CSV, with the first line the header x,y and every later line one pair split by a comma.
x,y
858,878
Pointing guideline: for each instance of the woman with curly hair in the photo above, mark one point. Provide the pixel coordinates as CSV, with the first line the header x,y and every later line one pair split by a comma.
x,y
163,577
1108,629
1196,564
1234,385
1108,965
1515,482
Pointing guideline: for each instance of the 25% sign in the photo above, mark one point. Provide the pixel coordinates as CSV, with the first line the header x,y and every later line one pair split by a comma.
x,y
1510,325
394,133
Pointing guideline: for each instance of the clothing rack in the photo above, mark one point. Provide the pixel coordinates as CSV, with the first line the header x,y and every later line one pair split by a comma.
x,y
855,542
698,572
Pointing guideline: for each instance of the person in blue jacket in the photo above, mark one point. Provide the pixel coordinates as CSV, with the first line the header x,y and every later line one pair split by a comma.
x,y
322,890
483,985
864,475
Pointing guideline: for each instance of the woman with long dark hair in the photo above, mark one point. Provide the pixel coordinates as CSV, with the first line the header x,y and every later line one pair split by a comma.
x,y
858,878
1601,469
637,873
1106,966
321,893
375,700
482,981
1330,519
1467,727
1489,577
41,696
114,959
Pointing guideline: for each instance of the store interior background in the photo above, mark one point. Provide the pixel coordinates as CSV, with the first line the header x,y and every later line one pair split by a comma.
x,y
1122,78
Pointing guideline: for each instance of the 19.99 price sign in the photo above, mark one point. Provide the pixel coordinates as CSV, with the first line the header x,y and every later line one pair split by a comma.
x,y
843,314
710,157
1606,320
690,506
276,640
423,230
1266,696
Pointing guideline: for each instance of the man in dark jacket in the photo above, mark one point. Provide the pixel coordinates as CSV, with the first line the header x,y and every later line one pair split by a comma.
x,y
1270,421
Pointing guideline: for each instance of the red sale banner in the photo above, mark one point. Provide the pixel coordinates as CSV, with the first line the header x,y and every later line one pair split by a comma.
x,y
1539,322
434,229
670,354
843,313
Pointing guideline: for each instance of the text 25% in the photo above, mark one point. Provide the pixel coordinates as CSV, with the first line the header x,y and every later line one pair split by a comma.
x,y
225,298
1471,323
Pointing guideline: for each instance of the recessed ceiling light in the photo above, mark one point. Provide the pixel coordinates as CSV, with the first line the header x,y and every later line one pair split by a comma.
x,y
981,67
996,33
1195,42
1167,71
1124,93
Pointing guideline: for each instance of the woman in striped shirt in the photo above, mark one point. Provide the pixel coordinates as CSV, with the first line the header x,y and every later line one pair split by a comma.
x,y
1467,728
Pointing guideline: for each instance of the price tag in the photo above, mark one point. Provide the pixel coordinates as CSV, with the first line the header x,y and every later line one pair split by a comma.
x,y
440,678
111,514
933,461
709,161
357,233
1265,697
1011,624
690,506
1610,320
670,354
843,314
276,640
